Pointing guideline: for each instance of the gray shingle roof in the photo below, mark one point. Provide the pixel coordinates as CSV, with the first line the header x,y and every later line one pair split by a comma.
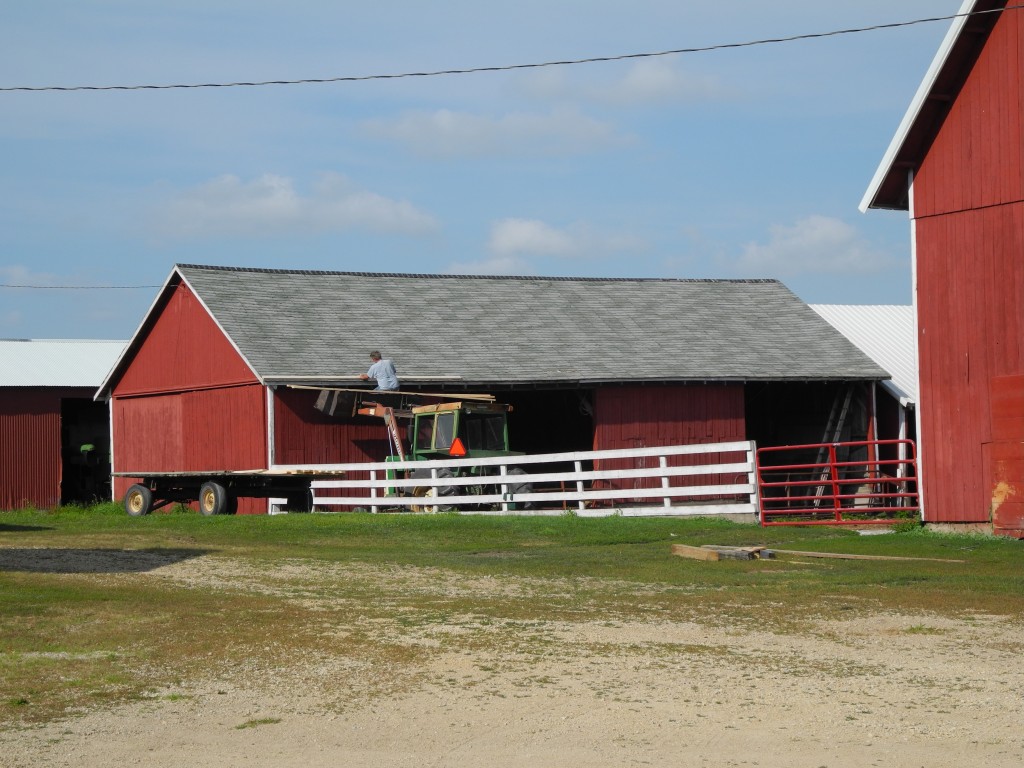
x,y
495,330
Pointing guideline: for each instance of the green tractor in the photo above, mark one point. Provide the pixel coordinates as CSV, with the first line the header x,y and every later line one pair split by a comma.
x,y
461,429
468,430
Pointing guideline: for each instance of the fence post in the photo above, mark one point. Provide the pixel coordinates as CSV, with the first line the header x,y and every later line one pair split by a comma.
x,y
373,491
754,478
578,466
834,470
663,463
503,473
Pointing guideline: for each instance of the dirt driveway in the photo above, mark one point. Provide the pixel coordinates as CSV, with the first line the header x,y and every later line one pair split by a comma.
x,y
886,690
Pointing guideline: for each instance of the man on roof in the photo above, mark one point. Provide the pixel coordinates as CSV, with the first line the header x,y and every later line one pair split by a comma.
x,y
383,371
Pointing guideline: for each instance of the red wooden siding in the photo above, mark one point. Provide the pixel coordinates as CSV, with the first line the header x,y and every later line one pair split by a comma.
x,y
640,417
969,229
183,350
971,329
975,160
646,417
304,435
207,430
30,448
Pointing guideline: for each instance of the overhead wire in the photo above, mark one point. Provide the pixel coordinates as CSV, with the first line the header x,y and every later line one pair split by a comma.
x,y
472,70
76,287
513,67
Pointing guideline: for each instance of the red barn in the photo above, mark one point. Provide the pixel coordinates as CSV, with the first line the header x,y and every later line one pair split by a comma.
x,y
224,372
955,164
54,440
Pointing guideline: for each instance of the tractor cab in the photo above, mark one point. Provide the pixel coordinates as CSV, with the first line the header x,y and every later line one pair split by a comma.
x,y
459,430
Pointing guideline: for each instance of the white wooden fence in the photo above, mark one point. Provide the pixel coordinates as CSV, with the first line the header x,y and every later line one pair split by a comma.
x,y
508,486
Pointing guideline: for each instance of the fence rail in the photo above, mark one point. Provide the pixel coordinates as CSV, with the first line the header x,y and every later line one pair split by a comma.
x,y
868,482
708,479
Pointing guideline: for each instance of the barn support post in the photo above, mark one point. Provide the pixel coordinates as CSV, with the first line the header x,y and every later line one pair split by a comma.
x,y
110,417
271,449
922,499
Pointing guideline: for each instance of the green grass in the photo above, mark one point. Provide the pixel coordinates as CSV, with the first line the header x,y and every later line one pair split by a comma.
x,y
88,617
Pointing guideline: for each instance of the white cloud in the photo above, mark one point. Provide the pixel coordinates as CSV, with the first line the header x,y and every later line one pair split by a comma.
x,y
498,265
820,244
510,236
656,81
17,274
11,319
530,236
444,133
271,204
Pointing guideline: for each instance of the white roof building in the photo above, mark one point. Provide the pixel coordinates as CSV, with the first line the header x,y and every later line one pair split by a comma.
x,y
57,362
885,333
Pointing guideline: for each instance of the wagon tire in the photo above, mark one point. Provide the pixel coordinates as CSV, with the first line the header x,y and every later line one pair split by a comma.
x,y
213,499
138,501
300,501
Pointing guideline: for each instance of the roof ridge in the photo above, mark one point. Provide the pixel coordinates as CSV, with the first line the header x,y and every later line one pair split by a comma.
x,y
415,275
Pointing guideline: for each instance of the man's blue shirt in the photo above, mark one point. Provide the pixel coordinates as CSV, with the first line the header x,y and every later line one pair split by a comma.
x,y
384,372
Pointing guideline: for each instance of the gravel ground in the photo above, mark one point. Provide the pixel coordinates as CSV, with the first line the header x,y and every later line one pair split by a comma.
x,y
883,690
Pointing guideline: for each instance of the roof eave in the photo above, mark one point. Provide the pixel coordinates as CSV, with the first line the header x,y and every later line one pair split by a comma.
x,y
889,187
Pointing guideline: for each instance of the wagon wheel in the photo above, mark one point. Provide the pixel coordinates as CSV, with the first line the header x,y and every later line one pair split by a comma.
x,y
213,499
138,501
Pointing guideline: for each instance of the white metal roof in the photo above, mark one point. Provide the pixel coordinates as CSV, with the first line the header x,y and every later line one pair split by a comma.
x,y
56,362
885,333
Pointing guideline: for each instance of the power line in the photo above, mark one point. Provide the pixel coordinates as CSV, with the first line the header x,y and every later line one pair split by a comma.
x,y
76,288
512,67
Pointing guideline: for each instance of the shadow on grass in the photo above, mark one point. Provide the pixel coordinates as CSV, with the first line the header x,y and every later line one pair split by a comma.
x,y
5,528
64,560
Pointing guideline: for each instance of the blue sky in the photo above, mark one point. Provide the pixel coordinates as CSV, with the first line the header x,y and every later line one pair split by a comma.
x,y
743,163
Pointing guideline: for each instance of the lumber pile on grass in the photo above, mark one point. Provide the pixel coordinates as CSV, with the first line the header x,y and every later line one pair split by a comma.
x,y
715,552
718,552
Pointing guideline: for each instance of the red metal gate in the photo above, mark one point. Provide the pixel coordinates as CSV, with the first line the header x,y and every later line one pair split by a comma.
x,y
870,482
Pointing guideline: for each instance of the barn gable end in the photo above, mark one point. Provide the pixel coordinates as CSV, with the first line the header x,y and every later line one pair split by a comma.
x,y
183,348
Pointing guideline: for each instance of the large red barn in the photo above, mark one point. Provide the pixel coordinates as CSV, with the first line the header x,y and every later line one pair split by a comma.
x,y
956,165
225,370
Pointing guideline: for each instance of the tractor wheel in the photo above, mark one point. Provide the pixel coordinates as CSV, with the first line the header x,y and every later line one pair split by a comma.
x,y
138,501
213,499
429,491
519,486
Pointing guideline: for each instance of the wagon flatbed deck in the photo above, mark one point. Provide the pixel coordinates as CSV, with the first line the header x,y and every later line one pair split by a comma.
x,y
218,491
